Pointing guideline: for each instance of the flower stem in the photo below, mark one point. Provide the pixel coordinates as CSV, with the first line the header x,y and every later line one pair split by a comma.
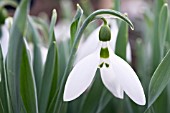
x,y
89,19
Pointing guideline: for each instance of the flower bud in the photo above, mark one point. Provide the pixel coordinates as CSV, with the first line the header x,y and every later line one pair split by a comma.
x,y
104,33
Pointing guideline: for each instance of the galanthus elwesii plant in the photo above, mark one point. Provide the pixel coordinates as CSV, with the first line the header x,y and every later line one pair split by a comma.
x,y
116,74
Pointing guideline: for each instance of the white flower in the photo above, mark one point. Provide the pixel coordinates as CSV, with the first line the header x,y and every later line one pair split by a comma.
x,y
116,74
4,40
87,48
62,31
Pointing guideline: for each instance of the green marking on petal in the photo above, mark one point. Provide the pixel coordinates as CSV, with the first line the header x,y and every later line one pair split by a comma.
x,y
101,65
107,65
104,53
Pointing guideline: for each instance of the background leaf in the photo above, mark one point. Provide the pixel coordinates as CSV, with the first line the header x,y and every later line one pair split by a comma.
x,y
48,75
121,41
159,80
27,83
163,27
52,25
156,58
37,58
91,99
75,23
3,86
14,54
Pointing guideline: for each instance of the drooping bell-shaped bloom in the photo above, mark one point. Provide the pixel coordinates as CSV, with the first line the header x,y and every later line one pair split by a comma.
x,y
4,39
117,75
86,47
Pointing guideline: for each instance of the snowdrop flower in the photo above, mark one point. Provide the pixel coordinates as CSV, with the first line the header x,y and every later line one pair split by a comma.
x,y
62,31
4,40
116,74
87,48
44,52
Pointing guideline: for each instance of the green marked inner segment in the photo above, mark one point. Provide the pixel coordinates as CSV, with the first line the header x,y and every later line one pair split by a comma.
x,y
106,64
104,53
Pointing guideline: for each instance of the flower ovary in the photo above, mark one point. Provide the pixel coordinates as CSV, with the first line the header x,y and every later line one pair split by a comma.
x,y
104,33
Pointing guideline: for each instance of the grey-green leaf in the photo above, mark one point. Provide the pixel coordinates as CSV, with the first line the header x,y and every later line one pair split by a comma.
x,y
27,83
37,58
122,39
159,80
92,98
48,76
53,90
163,27
156,57
15,52
52,25
75,23
3,85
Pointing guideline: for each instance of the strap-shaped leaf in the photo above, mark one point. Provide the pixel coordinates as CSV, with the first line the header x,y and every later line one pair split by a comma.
x,y
163,27
75,23
121,42
49,80
37,58
93,96
156,58
3,85
52,25
27,83
15,53
159,80
54,84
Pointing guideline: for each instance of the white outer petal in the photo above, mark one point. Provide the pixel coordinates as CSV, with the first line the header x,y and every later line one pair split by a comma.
x,y
89,46
127,79
4,40
81,76
110,81
44,52
31,48
128,53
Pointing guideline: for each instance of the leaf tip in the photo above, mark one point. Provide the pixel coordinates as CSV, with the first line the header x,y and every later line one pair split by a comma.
x,y
131,25
55,12
166,4
78,7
